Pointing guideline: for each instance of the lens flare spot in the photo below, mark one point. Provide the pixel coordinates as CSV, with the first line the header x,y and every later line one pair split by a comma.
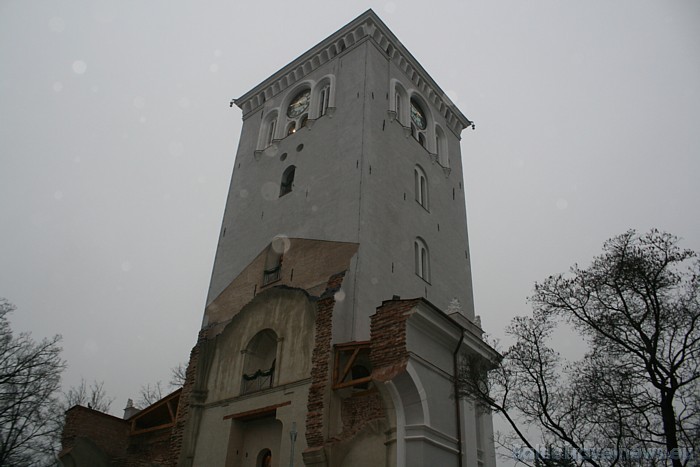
x,y
281,244
79,67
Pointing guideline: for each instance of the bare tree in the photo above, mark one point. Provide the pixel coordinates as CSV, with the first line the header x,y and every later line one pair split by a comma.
x,y
635,393
30,375
93,396
150,394
177,375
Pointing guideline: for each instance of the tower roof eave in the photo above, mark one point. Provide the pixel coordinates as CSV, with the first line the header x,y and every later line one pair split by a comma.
x,y
366,26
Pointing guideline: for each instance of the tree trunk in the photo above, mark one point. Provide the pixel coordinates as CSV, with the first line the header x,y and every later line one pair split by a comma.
x,y
668,415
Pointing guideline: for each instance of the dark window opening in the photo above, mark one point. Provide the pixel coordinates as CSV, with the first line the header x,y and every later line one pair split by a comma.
x,y
273,264
271,275
264,458
361,373
259,362
287,181
324,99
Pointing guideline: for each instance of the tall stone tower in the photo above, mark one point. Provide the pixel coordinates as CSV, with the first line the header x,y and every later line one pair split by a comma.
x,y
341,298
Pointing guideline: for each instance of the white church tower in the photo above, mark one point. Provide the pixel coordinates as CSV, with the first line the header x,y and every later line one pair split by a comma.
x,y
341,298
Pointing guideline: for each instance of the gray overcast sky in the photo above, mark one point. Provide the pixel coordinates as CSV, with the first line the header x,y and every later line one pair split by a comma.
x,y
117,145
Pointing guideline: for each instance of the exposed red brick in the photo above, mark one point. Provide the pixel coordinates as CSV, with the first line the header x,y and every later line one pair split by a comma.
x,y
388,353
320,362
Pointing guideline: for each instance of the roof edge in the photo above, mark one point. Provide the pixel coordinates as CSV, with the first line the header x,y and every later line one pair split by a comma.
x,y
366,25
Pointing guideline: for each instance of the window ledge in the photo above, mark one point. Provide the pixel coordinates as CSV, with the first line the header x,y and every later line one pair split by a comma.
x,y
423,279
421,205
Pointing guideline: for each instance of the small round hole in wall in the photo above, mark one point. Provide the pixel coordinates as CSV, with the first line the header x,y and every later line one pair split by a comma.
x,y
300,147
283,156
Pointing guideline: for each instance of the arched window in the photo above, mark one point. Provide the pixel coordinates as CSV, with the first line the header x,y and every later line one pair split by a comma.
x,y
419,122
268,130
297,110
421,186
441,147
397,105
422,259
264,458
259,364
324,98
399,102
287,180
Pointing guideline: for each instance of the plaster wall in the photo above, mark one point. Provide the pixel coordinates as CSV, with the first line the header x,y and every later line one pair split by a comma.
x,y
354,182
324,202
391,216
291,316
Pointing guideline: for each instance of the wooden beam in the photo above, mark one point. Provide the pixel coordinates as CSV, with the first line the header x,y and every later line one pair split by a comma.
x,y
348,367
353,382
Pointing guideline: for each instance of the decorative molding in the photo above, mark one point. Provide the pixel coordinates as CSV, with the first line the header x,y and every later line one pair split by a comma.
x,y
367,26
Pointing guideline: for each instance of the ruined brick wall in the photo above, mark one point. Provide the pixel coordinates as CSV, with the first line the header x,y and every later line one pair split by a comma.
x,y
359,410
388,353
320,360
149,449
108,433
183,408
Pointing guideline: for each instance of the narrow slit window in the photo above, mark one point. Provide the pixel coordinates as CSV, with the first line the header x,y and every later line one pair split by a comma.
x,y
324,99
421,187
270,133
422,259
398,106
443,157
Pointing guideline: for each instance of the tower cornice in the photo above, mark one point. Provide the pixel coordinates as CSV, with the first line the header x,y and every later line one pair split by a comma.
x,y
367,26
